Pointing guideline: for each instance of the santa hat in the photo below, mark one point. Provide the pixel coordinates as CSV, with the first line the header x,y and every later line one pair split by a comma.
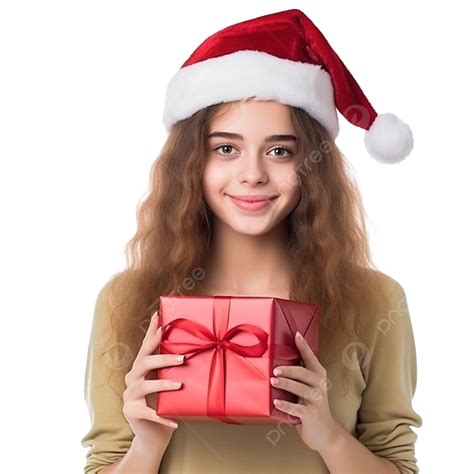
x,y
283,57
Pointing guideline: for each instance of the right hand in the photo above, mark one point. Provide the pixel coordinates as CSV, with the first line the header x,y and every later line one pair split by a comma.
x,y
139,396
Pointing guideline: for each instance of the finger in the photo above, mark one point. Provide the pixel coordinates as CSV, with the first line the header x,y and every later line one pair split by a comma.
x,y
156,361
152,386
294,409
296,372
310,360
291,386
150,414
149,341
146,387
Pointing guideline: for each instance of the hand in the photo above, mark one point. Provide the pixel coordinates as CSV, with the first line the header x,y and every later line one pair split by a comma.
x,y
318,428
140,395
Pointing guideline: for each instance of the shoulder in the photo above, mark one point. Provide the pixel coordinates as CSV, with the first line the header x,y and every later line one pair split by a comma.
x,y
109,295
390,290
390,319
394,297
389,363
391,285
387,284
113,291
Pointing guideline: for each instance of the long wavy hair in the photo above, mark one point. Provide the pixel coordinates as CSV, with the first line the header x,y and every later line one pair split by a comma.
x,y
327,247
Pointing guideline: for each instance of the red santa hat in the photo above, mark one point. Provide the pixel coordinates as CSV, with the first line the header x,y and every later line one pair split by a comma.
x,y
283,57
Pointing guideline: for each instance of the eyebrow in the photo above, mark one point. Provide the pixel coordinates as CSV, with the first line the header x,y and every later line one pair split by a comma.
x,y
271,138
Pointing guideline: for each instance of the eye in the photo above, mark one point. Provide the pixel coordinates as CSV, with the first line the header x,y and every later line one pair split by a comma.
x,y
226,145
223,146
282,148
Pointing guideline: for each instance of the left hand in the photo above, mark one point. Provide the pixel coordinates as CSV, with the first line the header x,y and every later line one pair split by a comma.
x,y
318,428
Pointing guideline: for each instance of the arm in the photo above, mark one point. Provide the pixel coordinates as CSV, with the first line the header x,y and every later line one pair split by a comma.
x,y
111,441
137,459
356,458
385,442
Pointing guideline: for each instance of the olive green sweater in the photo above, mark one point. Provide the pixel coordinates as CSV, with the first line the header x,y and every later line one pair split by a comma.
x,y
377,410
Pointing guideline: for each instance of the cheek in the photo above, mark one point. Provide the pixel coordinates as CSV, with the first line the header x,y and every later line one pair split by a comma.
x,y
208,176
289,182
213,179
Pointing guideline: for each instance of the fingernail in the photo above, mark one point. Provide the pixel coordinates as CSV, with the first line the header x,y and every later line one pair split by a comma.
x,y
179,358
298,335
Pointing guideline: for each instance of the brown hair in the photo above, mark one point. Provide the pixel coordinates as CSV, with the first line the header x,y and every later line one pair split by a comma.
x,y
328,245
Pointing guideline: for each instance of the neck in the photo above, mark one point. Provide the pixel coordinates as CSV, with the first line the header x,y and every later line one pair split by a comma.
x,y
247,264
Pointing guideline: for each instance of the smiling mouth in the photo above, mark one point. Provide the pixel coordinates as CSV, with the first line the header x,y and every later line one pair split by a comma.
x,y
258,200
252,200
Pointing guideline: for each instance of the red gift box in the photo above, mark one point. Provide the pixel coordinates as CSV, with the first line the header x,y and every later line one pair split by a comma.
x,y
231,346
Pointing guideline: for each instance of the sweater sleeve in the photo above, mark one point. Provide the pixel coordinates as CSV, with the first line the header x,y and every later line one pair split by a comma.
x,y
386,416
109,436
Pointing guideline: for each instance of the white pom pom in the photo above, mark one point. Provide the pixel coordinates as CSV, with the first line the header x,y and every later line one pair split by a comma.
x,y
389,140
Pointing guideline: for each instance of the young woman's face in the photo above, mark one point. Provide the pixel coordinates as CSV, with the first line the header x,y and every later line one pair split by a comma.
x,y
254,164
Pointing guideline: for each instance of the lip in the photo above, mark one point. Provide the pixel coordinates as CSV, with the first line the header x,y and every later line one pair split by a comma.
x,y
252,197
251,206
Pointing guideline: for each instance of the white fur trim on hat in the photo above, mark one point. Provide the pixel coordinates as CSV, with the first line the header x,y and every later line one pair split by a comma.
x,y
246,74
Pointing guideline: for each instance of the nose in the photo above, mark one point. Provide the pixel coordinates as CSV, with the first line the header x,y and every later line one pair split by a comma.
x,y
253,169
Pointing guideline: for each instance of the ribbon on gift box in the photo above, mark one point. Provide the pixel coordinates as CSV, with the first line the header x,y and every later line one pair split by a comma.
x,y
220,340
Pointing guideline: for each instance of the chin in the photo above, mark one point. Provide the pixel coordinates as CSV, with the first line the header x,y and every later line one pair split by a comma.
x,y
251,228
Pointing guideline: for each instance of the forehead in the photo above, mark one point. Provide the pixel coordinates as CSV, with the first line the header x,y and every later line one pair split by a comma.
x,y
253,115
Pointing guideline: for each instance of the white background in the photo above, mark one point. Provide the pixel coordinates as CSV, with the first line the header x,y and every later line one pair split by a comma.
x,y
81,99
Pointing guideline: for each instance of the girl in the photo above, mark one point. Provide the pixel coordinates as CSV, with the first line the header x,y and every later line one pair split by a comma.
x,y
251,196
